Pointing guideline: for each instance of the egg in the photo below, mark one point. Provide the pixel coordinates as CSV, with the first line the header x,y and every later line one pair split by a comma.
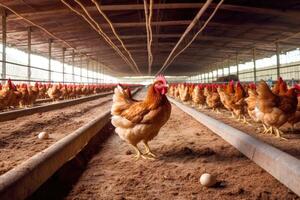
x,y
207,180
43,135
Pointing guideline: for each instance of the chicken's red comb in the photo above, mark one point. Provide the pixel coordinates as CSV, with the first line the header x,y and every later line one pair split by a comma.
x,y
161,78
252,85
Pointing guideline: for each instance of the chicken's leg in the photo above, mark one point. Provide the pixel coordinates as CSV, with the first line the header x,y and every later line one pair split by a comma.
x,y
138,153
239,118
245,120
267,130
148,151
232,115
279,133
292,127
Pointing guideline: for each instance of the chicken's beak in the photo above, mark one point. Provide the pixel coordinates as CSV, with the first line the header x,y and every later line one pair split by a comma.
x,y
167,85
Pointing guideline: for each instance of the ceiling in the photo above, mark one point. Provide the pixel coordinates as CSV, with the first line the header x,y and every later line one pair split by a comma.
x,y
237,28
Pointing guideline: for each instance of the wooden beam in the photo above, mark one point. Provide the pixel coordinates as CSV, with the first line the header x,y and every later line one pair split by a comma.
x,y
129,7
63,63
49,59
29,53
226,25
80,68
4,16
277,59
254,64
237,66
73,63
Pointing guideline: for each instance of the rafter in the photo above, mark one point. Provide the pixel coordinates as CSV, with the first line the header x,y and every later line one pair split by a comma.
x,y
128,7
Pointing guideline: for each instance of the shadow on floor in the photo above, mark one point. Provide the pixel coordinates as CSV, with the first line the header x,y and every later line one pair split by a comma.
x,y
60,184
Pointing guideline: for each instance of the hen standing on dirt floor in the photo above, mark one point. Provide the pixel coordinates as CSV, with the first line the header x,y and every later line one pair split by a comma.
x,y
140,121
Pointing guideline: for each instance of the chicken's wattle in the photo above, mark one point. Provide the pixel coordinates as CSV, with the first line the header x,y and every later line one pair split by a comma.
x,y
164,91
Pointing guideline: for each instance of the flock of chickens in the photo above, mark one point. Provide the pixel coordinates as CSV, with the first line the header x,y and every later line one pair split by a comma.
x,y
273,107
24,95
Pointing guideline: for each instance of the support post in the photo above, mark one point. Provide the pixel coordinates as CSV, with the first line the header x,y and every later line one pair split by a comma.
x,y
94,72
4,45
223,74
228,68
102,75
81,69
98,70
254,64
208,77
73,63
87,70
29,54
49,60
237,66
278,60
63,63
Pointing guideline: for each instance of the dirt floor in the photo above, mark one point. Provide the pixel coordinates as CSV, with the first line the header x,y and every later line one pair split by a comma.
x,y
18,138
290,146
185,150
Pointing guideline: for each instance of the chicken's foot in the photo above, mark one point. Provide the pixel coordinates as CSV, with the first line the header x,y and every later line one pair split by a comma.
x,y
292,128
279,133
267,130
138,152
232,115
148,151
245,120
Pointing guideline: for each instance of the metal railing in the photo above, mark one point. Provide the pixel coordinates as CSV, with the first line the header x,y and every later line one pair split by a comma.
x,y
289,72
76,78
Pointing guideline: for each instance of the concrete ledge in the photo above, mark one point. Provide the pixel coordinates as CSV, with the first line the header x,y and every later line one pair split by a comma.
x,y
23,180
9,115
284,167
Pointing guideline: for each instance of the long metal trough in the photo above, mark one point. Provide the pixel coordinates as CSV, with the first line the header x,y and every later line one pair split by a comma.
x,y
284,167
23,180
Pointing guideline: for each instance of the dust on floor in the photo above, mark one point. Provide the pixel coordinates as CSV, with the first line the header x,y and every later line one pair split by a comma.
x,y
18,138
185,150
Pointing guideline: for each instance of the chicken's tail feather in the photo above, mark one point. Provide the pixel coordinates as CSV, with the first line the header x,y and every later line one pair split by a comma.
x,y
121,100
264,91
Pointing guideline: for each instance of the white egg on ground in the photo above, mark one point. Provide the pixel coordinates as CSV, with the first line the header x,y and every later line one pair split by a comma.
x,y
207,180
43,135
